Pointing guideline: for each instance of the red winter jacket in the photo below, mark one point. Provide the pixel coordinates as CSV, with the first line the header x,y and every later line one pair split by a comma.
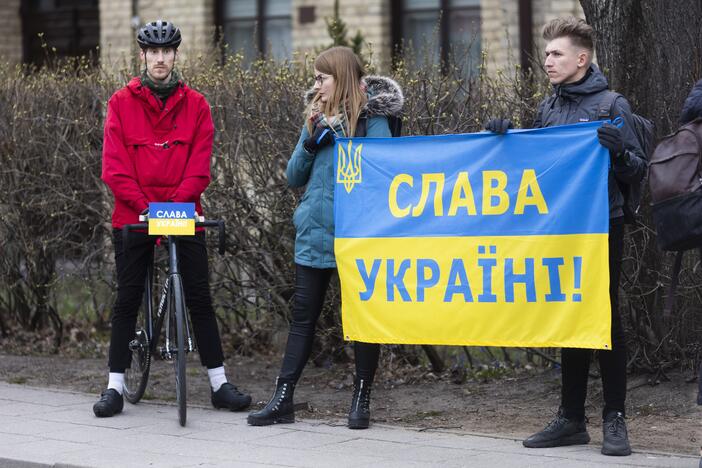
x,y
154,152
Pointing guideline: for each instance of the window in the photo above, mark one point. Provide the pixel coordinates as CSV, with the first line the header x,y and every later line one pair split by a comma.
x,y
439,30
257,27
72,27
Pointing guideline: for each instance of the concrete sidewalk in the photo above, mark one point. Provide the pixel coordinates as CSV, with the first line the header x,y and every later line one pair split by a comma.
x,y
57,428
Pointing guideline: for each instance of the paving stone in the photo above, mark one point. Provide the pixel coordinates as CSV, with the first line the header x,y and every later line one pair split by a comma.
x,y
53,428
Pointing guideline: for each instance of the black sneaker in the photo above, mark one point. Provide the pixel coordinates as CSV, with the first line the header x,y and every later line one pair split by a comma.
x,y
615,439
229,397
561,431
109,404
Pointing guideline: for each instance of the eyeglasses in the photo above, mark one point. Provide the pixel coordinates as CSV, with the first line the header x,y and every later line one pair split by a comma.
x,y
319,79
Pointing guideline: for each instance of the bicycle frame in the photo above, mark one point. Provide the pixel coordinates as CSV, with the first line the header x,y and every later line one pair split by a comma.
x,y
171,308
154,324
164,310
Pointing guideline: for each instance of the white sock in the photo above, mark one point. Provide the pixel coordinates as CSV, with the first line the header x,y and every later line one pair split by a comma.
x,y
217,377
116,381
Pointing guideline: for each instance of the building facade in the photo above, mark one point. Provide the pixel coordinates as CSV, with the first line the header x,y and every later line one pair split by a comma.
x,y
507,30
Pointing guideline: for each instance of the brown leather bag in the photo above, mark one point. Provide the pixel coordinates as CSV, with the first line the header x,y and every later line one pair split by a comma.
x,y
675,180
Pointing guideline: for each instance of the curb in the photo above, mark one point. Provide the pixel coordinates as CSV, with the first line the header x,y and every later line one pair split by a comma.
x,y
11,463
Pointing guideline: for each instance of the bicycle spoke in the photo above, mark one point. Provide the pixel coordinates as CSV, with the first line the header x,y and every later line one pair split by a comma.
x,y
136,375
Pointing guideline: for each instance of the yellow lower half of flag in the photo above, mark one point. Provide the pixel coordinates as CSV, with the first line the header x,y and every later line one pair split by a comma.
x,y
171,227
532,291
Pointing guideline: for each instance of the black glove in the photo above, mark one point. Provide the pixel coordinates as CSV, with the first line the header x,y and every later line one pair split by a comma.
x,y
498,125
611,138
321,137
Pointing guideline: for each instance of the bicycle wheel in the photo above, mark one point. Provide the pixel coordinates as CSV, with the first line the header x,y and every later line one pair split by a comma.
x,y
137,374
178,310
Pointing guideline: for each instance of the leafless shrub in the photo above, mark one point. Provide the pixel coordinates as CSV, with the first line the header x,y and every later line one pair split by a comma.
x,y
55,221
50,192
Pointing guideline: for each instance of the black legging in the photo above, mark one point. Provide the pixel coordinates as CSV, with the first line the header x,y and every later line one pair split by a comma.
x,y
310,288
575,363
131,273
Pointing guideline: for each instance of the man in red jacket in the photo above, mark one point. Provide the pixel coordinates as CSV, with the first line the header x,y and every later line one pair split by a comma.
x,y
157,147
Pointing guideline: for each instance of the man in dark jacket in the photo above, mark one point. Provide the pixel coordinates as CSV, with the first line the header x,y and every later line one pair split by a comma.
x,y
579,91
692,108
157,147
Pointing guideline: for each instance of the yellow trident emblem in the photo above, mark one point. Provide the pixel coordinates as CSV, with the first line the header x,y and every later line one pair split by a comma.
x,y
349,167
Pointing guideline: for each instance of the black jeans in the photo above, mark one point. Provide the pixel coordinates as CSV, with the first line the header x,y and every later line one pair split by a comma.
x,y
310,288
575,363
131,274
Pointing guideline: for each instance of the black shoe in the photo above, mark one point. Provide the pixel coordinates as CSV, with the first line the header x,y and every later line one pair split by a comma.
x,y
561,431
359,415
615,440
109,404
279,409
229,397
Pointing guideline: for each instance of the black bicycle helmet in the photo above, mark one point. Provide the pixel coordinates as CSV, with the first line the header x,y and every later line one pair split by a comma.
x,y
159,34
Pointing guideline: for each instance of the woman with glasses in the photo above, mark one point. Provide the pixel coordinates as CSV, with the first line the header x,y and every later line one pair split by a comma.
x,y
342,103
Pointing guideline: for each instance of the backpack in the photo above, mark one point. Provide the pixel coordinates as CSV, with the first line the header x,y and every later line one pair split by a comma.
x,y
676,188
644,131
394,122
676,196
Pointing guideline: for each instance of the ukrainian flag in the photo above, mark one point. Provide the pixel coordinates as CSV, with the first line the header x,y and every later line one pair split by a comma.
x,y
477,239
171,219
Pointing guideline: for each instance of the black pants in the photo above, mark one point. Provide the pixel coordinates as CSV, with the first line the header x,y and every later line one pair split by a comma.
x,y
310,288
131,274
575,363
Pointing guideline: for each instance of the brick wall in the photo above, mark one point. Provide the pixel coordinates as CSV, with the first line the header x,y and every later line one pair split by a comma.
x,y
499,31
11,26
116,37
500,27
546,10
371,17
195,18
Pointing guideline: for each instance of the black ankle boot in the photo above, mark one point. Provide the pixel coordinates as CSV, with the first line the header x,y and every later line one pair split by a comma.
x,y
359,416
279,409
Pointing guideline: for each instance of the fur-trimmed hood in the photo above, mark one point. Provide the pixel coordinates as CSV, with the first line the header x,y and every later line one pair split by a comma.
x,y
384,96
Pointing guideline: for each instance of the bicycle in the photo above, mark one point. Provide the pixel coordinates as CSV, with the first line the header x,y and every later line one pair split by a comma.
x,y
171,308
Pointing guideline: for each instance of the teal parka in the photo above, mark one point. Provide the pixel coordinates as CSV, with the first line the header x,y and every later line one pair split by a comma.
x,y
314,217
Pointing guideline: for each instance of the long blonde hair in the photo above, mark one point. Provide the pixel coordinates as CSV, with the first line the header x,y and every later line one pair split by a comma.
x,y
347,98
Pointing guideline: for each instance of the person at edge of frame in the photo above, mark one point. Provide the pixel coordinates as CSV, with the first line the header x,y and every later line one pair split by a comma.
x,y
341,100
579,87
692,108
157,147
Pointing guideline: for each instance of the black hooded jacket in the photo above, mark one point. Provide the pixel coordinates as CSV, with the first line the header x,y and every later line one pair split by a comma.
x,y
579,102
693,105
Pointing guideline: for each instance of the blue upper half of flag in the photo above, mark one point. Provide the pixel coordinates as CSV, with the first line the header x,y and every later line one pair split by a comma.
x,y
562,169
171,210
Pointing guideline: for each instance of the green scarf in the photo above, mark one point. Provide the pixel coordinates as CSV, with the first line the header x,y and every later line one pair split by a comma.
x,y
161,90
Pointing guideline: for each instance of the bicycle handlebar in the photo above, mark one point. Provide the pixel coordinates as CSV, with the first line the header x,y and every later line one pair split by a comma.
x,y
204,224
